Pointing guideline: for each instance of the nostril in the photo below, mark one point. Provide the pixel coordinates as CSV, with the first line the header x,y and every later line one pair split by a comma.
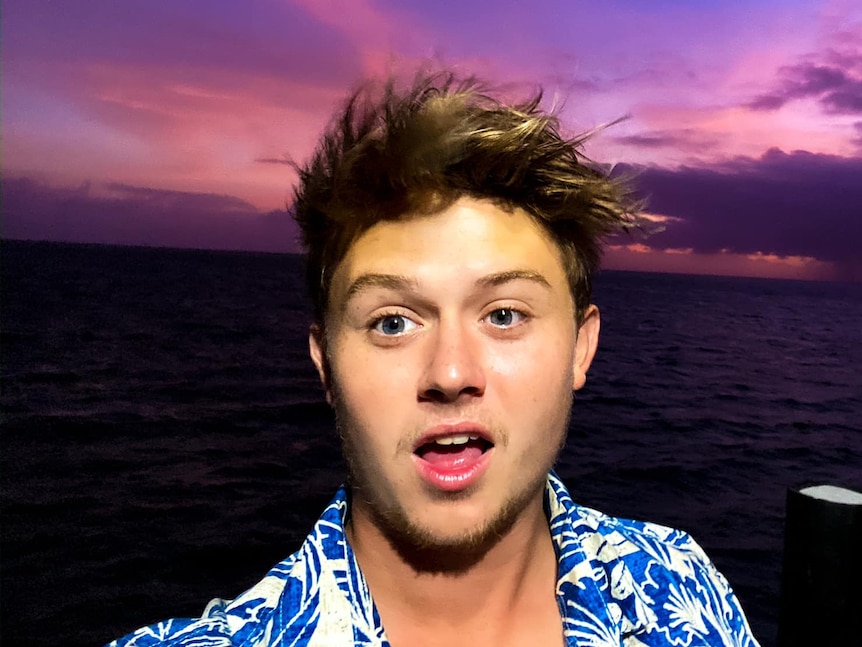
x,y
434,395
437,394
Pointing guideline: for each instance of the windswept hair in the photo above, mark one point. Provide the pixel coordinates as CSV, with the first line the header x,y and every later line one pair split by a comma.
x,y
391,153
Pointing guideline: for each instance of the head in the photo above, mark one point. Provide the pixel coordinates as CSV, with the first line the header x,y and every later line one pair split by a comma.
x,y
394,151
451,242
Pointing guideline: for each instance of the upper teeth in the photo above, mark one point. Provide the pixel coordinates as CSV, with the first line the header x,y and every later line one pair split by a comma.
x,y
460,439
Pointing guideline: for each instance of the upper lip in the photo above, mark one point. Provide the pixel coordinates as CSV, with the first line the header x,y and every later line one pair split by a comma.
x,y
453,429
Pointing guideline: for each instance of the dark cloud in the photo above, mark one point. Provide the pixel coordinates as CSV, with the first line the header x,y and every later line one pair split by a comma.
x,y
845,59
790,204
838,89
846,101
649,141
686,139
131,215
274,160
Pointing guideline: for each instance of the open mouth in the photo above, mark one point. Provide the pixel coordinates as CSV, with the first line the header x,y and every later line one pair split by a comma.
x,y
453,450
452,458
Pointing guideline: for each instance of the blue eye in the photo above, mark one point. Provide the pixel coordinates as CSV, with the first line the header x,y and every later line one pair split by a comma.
x,y
392,325
505,317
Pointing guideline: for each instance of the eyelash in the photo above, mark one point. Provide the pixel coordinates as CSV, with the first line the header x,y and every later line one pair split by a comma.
x,y
375,323
524,317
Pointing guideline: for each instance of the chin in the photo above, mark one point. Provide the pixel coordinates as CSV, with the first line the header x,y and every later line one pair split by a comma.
x,y
440,548
432,552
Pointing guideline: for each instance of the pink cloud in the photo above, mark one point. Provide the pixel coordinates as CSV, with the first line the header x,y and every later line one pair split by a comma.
x,y
640,257
192,97
708,116
143,124
377,34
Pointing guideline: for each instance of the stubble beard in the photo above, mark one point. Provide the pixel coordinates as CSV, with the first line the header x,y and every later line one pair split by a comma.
x,y
420,547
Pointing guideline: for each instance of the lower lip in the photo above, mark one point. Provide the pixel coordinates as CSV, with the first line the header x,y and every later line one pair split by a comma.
x,y
452,478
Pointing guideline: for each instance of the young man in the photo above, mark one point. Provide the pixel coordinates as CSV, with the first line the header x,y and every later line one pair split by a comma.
x,y
451,239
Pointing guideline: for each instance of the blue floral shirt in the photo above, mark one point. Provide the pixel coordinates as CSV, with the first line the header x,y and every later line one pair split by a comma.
x,y
619,582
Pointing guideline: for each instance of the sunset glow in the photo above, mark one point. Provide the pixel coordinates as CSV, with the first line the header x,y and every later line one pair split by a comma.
x,y
744,128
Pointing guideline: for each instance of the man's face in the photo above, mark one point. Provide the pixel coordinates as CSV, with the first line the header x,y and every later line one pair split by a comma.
x,y
451,352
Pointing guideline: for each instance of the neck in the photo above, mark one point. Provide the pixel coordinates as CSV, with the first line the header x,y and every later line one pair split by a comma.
x,y
488,595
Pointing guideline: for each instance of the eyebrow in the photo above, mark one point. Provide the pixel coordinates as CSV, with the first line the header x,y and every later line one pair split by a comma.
x,y
365,282
400,282
501,278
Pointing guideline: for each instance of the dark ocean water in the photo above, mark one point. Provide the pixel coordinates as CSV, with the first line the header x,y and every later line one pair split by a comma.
x,y
165,440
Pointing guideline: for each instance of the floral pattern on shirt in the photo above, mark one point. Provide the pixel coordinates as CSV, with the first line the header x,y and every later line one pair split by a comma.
x,y
620,583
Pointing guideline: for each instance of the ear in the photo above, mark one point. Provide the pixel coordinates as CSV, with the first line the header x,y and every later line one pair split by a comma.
x,y
585,345
317,350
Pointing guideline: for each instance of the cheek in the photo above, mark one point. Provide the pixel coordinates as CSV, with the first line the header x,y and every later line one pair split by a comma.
x,y
372,372
541,367
371,386
359,425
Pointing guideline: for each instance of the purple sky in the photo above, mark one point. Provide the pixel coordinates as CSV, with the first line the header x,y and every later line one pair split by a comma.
x,y
155,123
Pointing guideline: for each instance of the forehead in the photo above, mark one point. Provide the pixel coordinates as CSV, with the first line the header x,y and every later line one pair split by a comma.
x,y
461,244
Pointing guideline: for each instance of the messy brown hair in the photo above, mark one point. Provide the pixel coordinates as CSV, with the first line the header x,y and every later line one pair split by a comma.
x,y
395,152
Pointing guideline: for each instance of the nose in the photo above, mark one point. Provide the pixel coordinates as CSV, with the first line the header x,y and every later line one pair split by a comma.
x,y
454,368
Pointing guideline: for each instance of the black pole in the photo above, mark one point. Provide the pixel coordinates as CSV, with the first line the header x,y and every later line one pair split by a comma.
x,y
821,584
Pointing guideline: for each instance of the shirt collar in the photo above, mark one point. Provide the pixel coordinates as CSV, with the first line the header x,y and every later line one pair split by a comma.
x,y
581,586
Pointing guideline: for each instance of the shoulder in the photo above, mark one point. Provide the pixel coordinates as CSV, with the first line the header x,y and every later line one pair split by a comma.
x,y
643,546
656,582
223,622
283,607
669,586
610,540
